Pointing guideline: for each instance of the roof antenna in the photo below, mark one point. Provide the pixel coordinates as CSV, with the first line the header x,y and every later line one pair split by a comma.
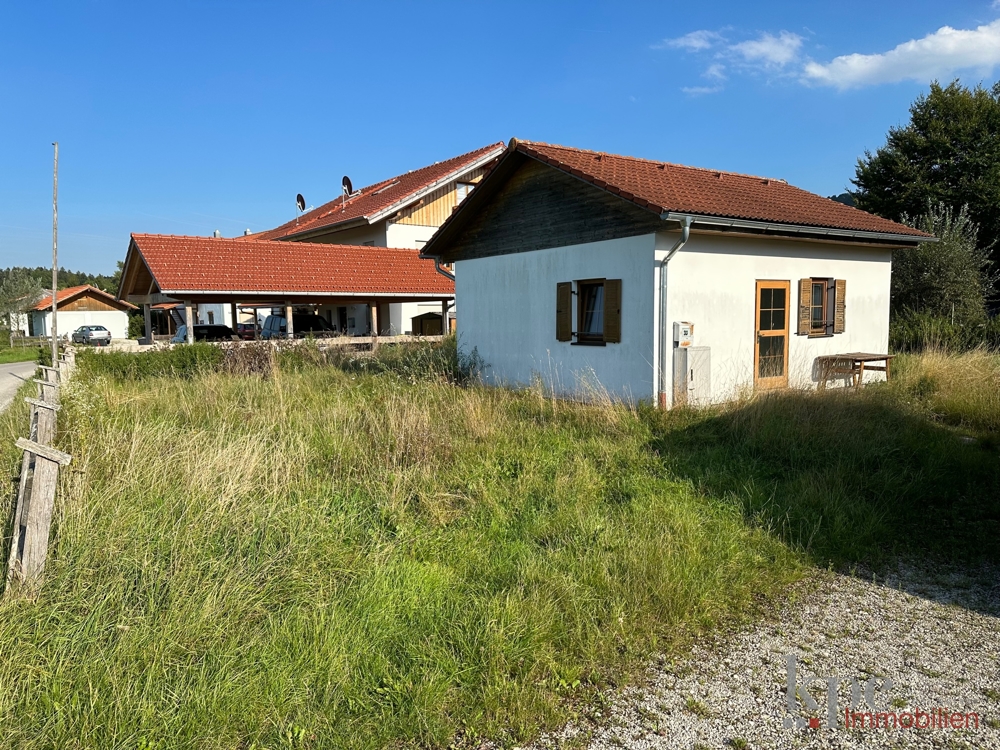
x,y
300,204
348,189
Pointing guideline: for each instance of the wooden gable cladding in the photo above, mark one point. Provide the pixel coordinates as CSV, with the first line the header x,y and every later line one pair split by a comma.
x,y
538,207
86,302
434,209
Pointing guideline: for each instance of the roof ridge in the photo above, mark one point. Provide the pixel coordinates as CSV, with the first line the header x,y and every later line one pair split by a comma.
x,y
653,161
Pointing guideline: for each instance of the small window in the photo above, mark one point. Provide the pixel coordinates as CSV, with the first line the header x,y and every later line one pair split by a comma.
x,y
462,190
818,307
590,312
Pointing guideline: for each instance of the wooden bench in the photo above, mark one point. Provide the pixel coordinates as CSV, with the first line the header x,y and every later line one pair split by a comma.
x,y
852,365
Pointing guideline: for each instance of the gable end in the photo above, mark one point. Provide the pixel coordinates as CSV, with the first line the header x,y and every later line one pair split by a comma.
x,y
541,207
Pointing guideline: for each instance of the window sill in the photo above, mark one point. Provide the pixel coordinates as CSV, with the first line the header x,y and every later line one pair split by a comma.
x,y
589,343
821,335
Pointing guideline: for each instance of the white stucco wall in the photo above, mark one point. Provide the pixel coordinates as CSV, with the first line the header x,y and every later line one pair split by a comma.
x,y
415,236
69,320
712,283
508,306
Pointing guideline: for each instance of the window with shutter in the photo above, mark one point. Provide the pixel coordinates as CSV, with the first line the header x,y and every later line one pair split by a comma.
x,y
564,311
805,311
613,311
840,306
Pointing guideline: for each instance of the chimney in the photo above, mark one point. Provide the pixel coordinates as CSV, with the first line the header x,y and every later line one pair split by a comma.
x,y
217,234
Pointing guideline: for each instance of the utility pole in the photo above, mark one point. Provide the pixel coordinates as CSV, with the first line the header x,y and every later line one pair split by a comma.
x,y
55,252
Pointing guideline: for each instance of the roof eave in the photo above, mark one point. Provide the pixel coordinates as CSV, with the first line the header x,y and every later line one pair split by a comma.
x,y
779,228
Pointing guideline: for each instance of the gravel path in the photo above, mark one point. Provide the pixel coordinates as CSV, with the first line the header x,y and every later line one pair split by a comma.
x,y
935,633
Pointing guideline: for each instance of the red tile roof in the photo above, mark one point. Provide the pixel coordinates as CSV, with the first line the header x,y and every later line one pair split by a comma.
x,y
65,295
199,265
371,201
663,187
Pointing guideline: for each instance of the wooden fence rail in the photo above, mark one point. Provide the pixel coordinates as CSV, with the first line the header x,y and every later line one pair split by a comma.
x,y
39,478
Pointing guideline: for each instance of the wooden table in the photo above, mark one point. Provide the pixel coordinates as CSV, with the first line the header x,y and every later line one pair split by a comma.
x,y
852,364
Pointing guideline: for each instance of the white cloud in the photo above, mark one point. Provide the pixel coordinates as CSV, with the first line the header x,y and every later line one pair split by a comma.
x,y
701,90
937,55
768,50
717,71
695,41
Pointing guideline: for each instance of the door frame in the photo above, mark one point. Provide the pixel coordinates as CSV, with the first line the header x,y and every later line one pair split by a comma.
x,y
765,384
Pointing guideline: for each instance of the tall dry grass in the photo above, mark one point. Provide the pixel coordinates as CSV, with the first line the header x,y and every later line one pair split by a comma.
x,y
337,559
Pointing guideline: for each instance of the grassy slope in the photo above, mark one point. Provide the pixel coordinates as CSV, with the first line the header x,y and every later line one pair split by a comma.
x,y
333,559
358,560
18,354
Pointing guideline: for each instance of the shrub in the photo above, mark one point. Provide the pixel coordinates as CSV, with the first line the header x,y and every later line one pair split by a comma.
x,y
181,361
911,331
413,361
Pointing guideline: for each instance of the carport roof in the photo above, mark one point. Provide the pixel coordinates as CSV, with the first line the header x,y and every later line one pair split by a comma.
x,y
181,267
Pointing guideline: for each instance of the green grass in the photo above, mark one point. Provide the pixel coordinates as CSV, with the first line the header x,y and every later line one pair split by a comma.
x,y
368,555
18,354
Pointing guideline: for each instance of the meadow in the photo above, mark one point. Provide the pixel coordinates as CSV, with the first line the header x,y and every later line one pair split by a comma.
x,y
376,552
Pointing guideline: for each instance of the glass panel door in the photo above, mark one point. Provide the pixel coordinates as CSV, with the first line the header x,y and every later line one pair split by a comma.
x,y
771,336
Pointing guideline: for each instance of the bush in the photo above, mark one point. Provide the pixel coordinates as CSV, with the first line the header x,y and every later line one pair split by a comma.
x,y
181,361
136,326
419,360
911,331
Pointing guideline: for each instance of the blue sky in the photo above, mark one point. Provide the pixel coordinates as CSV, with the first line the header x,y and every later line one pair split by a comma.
x,y
188,117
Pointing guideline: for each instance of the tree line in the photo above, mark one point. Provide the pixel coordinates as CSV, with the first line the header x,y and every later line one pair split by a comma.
x,y
940,172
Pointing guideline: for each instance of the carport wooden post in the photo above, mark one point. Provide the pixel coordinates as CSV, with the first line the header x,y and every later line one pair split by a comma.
x,y
189,320
444,318
289,324
373,310
147,318
235,316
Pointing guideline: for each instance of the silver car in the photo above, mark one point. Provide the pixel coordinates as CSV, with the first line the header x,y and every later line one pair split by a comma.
x,y
97,335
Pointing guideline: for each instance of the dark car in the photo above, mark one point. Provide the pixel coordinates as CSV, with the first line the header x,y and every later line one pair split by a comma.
x,y
205,333
304,324
247,331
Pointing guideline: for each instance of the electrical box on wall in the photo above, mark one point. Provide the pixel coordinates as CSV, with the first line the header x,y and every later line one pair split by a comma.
x,y
692,375
683,333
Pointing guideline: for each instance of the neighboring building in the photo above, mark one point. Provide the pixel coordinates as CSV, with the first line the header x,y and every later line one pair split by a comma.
x,y
348,285
561,256
403,212
80,306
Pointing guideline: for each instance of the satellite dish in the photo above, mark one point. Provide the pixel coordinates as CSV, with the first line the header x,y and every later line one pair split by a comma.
x,y
348,187
300,202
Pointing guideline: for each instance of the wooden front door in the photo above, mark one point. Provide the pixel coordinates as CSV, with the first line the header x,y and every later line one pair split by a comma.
x,y
770,351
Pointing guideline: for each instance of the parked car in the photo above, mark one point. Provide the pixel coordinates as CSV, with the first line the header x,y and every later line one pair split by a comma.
x,y
97,335
247,331
304,324
205,333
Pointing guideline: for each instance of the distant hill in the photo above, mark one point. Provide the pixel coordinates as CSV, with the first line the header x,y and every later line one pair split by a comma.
x,y
846,198
69,278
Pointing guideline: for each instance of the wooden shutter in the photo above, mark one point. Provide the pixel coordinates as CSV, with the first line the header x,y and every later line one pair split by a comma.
x,y
613,311
840,306
564,311
805,312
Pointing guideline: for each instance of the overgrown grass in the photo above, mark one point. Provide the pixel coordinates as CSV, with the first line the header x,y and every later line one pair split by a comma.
x,y
334,559
328,557
18,354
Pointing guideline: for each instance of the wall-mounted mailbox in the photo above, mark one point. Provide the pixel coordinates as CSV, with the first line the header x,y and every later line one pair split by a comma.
x,y
683,333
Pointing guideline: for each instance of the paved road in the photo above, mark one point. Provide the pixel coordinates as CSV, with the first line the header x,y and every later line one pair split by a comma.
x,y
12,377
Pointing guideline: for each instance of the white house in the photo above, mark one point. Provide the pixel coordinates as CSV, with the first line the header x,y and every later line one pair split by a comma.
x,y
658,282
401,212
80,306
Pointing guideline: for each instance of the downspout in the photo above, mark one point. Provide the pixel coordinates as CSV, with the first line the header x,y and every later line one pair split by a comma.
x,y
443,272
685,233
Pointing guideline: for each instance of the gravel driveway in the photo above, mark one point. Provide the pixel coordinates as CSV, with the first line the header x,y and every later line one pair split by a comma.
x,y
934,632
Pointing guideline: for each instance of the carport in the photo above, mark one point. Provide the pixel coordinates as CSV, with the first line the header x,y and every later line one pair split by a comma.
x,y
258,273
